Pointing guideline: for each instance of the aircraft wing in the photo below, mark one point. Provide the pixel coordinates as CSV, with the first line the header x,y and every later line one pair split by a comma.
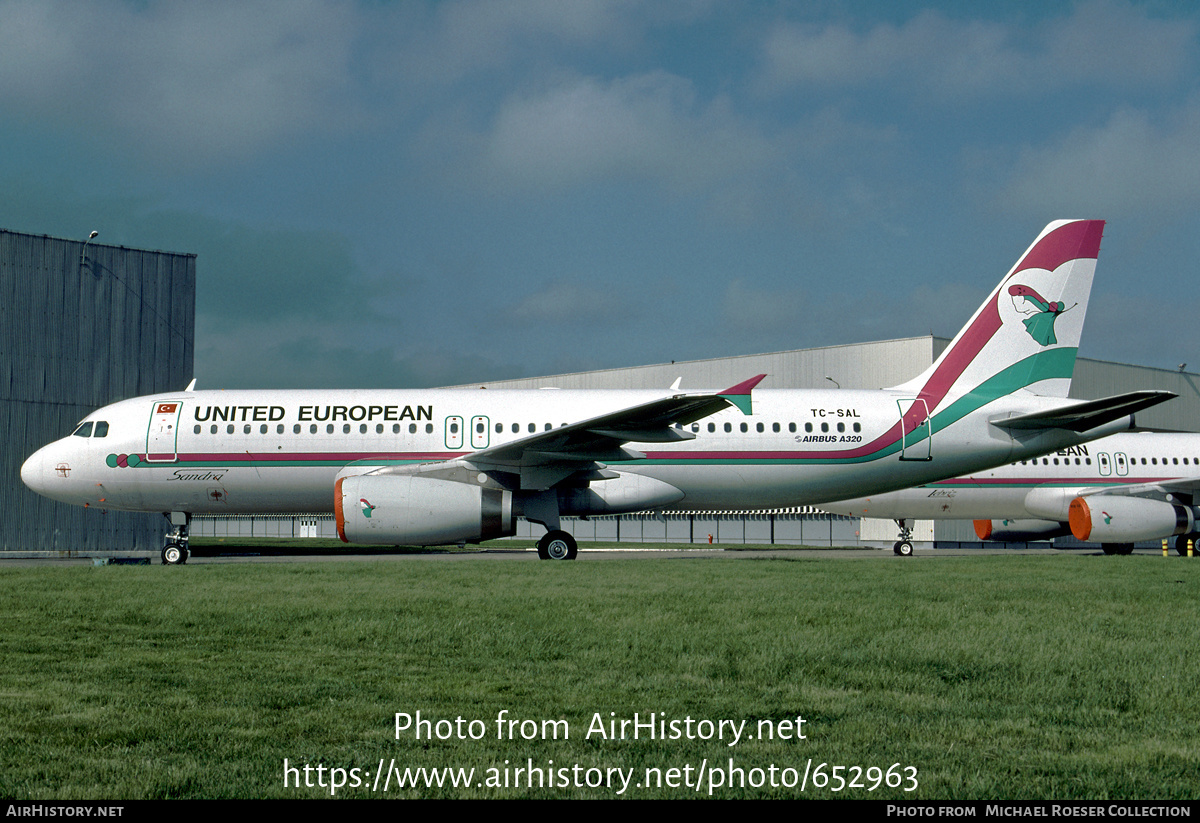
x,y
1155,489
1086,414
562,451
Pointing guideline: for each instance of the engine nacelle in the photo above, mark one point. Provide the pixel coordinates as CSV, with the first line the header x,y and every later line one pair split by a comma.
x,y
1019,530
619,495
1051,503
1111,519
409,510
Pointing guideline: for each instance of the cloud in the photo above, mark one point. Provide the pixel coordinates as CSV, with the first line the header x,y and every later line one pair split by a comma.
x,y
179,83
279,355
567,303
784,319
460,39
644,127
1104,42
1134,164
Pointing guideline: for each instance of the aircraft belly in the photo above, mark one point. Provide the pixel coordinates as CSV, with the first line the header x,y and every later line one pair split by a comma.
x,y
223,490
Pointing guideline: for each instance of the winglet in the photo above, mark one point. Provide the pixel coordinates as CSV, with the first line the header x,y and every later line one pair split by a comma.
x,y
739,395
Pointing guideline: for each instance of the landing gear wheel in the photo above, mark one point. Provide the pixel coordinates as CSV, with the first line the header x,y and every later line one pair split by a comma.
x,y
174,554
903,547
557,545
1117,548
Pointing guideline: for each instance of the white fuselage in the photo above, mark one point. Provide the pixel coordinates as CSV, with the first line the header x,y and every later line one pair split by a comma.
x,y
280,451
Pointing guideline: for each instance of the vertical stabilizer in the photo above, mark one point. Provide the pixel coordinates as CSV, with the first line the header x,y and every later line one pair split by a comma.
x,y
1026,333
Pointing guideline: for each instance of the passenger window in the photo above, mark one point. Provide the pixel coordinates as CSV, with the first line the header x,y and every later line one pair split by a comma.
x,y
728,427
312,429
841,427
759,427
345,428
857,427
85,430
262,429
246,429
329,428
412,428
824,427
362,428
792,427
296,429
229,429
196,430
745,428
775,427
712,427
808,427
379,428
101,429
429,428
213,430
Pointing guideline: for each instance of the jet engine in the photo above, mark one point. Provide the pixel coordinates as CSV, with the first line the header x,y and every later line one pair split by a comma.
x,y
398,509
1105,518
1019,530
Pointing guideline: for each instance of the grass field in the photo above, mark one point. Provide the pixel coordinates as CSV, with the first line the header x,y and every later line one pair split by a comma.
x,y
1051,677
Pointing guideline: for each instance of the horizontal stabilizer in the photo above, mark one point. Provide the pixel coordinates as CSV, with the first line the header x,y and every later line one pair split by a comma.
x,y
1087,414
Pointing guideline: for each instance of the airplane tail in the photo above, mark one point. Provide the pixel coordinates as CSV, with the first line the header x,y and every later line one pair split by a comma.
x,y
1026,333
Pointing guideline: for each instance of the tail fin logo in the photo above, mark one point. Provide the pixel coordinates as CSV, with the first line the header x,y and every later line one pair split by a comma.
x,y
1040,313
367,508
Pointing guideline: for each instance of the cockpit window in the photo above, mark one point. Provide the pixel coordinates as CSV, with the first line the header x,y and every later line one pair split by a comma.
x,y
101,429
85,430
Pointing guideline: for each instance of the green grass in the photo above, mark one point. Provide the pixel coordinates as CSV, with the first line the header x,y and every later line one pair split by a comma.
x,y
1011,677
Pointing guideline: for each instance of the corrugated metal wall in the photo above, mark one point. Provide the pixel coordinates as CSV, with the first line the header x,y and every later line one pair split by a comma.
x,y
80,328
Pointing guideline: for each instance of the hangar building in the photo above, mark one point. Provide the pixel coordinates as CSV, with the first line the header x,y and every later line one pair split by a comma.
x,y
82,325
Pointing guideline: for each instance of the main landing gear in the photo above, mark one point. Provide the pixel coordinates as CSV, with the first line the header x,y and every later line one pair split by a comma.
x,y
557,545
903,547
175,551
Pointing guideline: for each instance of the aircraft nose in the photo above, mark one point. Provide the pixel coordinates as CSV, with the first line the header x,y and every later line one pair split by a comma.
x,y
33,472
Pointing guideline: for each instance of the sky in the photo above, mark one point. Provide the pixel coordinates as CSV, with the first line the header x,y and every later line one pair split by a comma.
x,y
419,193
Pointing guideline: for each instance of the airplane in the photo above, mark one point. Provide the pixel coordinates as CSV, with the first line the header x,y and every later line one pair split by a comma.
x,y
1114,491
441,466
